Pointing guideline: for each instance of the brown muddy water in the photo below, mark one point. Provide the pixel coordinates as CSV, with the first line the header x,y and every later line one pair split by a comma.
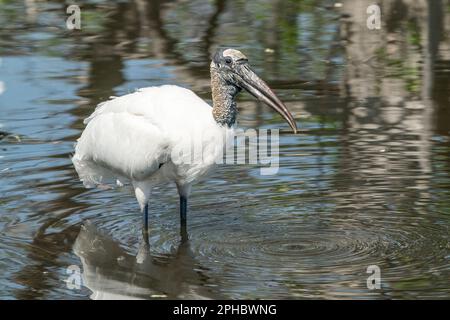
x,y
365,182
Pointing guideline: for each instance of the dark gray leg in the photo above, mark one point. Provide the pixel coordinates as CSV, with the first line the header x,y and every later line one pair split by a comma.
x,y
145,228
183,210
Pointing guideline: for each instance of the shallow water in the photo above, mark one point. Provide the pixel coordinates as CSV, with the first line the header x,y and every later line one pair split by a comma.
x,y
366,182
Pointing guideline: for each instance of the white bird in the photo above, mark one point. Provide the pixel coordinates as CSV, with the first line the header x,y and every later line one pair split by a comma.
x,y
143,137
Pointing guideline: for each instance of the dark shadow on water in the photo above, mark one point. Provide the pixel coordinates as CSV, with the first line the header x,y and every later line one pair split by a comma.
x,y
110,272
36,278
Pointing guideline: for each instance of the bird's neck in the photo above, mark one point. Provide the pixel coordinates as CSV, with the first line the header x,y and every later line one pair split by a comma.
x,y
223,96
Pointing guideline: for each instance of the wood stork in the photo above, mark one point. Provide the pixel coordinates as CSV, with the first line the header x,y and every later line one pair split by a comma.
x,y
136,137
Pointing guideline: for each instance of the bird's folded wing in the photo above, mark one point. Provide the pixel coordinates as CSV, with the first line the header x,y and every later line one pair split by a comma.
x,y
120,144
133,135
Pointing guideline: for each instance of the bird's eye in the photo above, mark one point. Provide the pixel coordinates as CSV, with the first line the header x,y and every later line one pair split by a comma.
x,y
228,60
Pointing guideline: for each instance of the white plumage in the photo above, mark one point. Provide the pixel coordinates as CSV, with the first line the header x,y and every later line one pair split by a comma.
x,y
146,137
168,133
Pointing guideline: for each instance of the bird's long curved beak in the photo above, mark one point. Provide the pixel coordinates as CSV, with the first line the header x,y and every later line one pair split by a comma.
x,y
260,90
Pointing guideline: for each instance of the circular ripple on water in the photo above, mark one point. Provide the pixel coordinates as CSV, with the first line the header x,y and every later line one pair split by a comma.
x,y
282,254
322,250
269,248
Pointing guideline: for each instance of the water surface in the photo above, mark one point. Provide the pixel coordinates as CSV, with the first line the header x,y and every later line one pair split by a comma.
x,y
366,182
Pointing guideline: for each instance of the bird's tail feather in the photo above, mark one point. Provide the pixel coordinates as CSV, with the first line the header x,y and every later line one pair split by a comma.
x,y
93,175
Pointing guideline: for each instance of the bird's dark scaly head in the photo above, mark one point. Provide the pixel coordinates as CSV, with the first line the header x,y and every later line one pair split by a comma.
x,y
233,68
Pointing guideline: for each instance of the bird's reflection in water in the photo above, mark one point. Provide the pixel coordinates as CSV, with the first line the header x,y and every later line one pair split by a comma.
x,y
112,273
